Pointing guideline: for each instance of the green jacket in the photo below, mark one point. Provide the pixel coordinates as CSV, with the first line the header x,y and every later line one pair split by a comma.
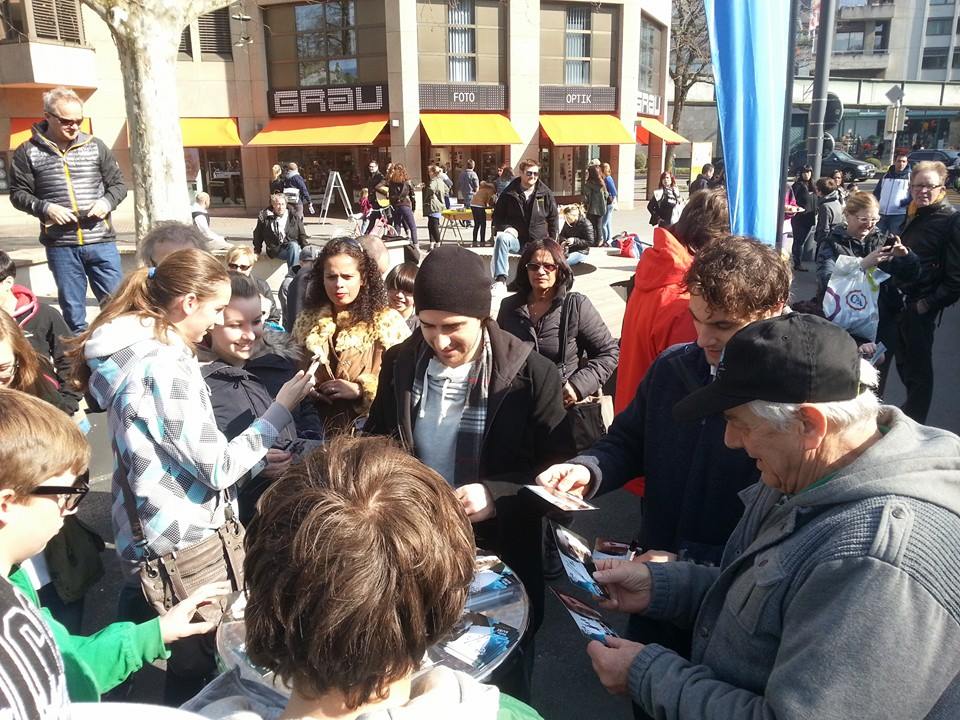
x,y
100,662
513,709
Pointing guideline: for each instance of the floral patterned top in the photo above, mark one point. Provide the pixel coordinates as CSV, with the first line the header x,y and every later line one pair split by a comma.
x,y
348,350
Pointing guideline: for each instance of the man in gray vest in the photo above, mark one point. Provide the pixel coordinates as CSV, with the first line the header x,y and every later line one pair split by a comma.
x,y
71,182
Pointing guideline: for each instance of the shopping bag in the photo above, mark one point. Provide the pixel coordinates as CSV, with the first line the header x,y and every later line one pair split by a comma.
x,y
851,297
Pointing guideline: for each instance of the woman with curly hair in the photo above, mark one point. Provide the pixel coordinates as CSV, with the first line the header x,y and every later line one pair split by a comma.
x,y
403,201
346,326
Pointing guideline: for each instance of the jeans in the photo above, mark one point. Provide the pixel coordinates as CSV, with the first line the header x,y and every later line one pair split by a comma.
x,y
479,224
290,251
607,226
404,215
576,257
72,266
891,223
503,245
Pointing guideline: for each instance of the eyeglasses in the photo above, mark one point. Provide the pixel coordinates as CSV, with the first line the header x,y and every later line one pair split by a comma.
x,y
868,220
68,496
531,173
927,188
66,121
9,370
535,267
237,266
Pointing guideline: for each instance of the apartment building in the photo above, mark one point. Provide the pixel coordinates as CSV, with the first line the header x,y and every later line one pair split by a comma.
x,y
333,84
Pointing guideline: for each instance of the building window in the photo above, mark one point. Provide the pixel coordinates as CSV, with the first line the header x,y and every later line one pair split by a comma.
x,y
941,2
462,42
934,58
881,36
939,26
327,43
52,20
215,39
848,41
651,39
576,68
185,50
956,59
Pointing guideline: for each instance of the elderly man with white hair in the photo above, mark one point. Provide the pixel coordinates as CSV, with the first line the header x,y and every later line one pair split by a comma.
x,y
838,595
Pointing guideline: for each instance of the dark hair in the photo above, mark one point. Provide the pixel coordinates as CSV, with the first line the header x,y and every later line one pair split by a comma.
x,y
595,175
149,292
808,183
564,273
8,268
667,173
705,218
357,561
398,174
740,276
170,232
707,167
527,163
242,286
826,185
401,277
372,298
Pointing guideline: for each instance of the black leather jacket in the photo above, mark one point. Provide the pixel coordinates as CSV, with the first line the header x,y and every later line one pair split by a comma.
x,y
510,211
934,235
580,235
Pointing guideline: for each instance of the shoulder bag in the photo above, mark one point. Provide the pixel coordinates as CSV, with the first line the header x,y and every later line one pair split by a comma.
x,y
585,416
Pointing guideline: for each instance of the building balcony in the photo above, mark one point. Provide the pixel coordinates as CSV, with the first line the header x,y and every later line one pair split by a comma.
x,y
870,10
860,60
42,44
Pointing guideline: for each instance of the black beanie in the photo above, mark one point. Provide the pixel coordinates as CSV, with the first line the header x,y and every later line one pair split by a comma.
x,y
453,279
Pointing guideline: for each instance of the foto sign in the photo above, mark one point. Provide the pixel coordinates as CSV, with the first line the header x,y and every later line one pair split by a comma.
x,y
327,100
436,96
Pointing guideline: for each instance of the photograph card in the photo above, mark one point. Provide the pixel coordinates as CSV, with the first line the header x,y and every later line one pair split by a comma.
x,y
588,620
561,500
577,560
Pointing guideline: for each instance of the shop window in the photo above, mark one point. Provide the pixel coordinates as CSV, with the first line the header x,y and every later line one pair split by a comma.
x,y
215,40
939,26
576,67
4,174
327,43
934,58
222,176
462,42
651,42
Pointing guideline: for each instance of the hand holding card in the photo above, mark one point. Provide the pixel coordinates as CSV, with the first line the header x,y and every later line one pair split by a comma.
x,y
562,500
587,619
577,560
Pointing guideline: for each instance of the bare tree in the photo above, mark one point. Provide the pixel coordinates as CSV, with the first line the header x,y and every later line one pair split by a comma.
x,y
689,57
147,35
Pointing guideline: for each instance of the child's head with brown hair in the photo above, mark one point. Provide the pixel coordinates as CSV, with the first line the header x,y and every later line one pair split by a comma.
x,y
185,294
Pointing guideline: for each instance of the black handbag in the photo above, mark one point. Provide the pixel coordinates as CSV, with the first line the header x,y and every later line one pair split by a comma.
x,y
585,417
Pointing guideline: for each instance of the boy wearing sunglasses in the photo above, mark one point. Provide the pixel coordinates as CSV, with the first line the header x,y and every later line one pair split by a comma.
x,y
43,478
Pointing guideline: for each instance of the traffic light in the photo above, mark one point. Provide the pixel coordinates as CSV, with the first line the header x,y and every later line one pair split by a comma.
x,y
903,119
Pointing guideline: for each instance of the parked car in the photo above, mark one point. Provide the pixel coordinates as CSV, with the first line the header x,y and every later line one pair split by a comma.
x,y
950,158
852,169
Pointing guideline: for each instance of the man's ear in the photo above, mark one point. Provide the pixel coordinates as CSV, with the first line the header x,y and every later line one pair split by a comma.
x,y
814,426
7,499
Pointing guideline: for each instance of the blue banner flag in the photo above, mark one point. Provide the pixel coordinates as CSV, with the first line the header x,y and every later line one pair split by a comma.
x,y
749,42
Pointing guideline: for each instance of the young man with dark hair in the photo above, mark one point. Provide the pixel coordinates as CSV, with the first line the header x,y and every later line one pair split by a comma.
x,y
703,179
359,560
893,194
42,325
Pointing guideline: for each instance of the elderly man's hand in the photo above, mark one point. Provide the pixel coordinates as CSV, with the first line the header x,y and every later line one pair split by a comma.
x,y
59,215
611,662
628,584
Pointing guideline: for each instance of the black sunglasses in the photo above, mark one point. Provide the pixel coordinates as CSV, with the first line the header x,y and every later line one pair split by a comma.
x,y
66,121
241,268
535,267
75,493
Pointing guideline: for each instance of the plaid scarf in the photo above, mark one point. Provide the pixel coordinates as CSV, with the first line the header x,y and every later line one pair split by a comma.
x,y
474,418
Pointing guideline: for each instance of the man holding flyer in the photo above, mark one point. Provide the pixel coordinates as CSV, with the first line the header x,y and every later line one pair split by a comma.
x,y
830,601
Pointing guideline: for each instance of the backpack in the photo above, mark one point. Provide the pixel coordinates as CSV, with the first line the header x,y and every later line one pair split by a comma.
x,y
630,244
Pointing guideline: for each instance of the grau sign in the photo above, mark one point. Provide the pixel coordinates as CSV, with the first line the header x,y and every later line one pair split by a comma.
x,y
577,98
648,104
327,100
462,97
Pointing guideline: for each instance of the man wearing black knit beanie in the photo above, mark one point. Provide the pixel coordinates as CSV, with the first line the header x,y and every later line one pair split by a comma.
x,y
477,405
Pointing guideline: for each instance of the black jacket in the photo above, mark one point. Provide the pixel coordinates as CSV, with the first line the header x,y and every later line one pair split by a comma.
x,y
264,287
263,233
580,235
934,235
701,183
587,334
41,174
526,431
805,198
401,193
692,479
540,222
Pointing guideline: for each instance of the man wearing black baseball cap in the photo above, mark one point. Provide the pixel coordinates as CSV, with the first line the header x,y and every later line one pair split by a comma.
x,y
837,595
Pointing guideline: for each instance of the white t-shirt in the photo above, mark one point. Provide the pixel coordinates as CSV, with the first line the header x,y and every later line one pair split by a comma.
x,y
438,420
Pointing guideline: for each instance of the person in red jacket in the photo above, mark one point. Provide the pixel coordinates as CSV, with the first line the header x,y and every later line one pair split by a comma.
x,y
657,314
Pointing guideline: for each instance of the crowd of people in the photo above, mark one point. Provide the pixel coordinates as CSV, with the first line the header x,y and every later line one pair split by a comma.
x,y
339,455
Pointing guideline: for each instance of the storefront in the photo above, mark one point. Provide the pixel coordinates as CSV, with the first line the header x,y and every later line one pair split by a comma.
x,y
211,152
328,129
465,122
576,127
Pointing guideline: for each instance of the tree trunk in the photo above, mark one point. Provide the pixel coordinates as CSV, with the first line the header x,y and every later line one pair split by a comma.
x,y
679,100
148,45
